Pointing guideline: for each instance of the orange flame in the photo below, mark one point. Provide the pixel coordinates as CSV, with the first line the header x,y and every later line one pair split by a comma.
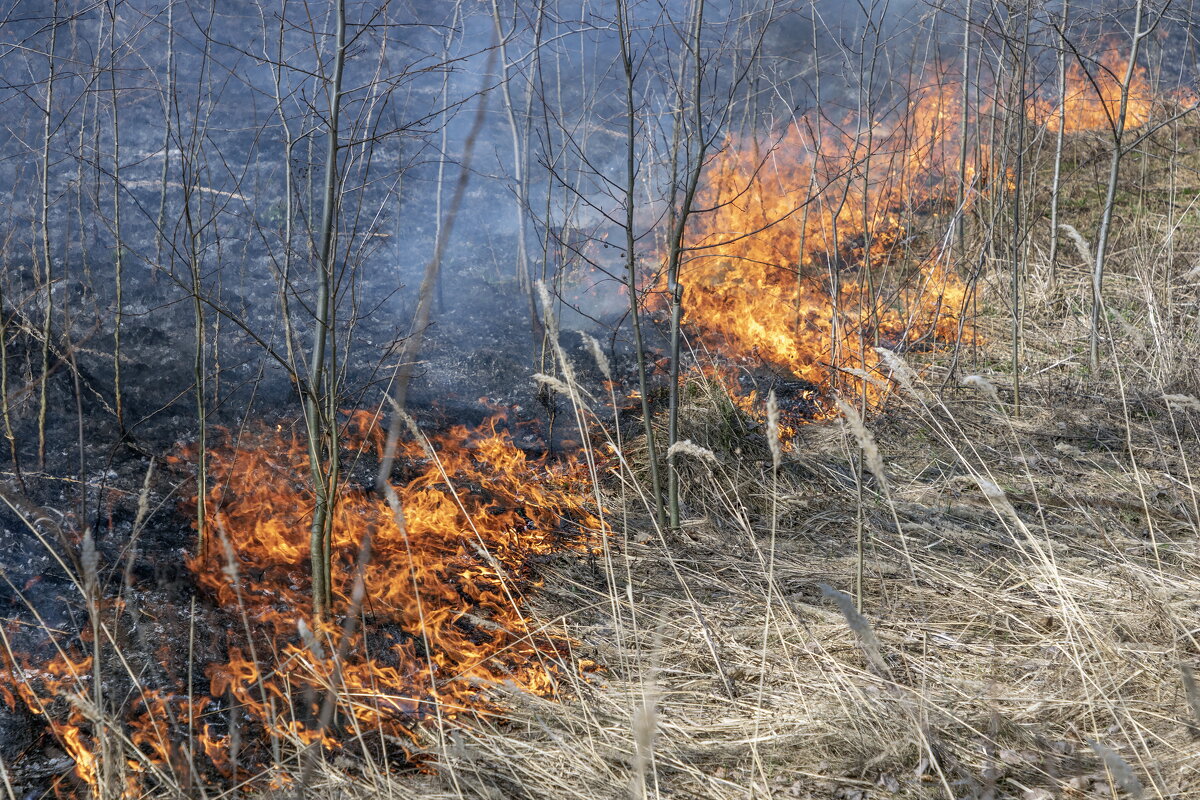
x,y
824,204
1093,94
60,679
444,616
444,585
808,255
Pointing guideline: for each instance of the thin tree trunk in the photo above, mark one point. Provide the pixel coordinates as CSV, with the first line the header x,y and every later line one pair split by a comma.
x,y
811,194
118,260
320,385
190,179
1114,170
1056,185
631,260
964,116
518,163
1018,110
865,95
47,265
166,146
289,212
443,134
675,256
5,407
81,237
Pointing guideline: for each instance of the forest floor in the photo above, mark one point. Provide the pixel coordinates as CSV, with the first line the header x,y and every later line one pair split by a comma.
x,y
1029,581
969,594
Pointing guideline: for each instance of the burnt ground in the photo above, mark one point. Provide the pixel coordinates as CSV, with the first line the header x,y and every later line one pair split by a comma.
x,y
476,362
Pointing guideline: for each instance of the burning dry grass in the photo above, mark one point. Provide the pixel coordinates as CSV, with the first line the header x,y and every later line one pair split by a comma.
x,y
1093,94
798,260
444,619
1029,594
1031,635
947,599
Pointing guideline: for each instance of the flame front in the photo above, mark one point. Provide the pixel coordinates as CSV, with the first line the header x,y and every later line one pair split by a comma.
x,y
791,262
814,247
443,619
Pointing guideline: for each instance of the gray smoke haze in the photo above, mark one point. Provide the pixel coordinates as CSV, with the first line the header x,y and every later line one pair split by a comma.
x,y
218,104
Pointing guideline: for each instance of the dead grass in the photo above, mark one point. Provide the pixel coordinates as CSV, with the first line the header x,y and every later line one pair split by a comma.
x,y
1028,632
1038,639
1030,595
1034,646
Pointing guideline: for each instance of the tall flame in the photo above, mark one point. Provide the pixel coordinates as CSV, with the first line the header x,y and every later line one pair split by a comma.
x,y
824,204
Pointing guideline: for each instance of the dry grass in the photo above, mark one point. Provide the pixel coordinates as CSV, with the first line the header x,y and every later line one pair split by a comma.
x,y
1033,639
1042,635
1029,631
1029,597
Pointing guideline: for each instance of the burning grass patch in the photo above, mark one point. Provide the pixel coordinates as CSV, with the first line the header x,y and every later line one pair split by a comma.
x,y
443,623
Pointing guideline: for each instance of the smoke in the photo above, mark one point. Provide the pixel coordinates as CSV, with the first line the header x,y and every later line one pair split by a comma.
x,y
202,124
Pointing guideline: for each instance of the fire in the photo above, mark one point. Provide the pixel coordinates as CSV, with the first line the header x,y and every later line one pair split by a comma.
x,y
809,253
62,680
444,615
444,586
1093,95
818,206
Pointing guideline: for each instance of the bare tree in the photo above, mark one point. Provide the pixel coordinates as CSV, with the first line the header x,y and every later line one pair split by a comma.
x,y
321,403
695,145
1060,135
118,256
1114,170
631,270
47,261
